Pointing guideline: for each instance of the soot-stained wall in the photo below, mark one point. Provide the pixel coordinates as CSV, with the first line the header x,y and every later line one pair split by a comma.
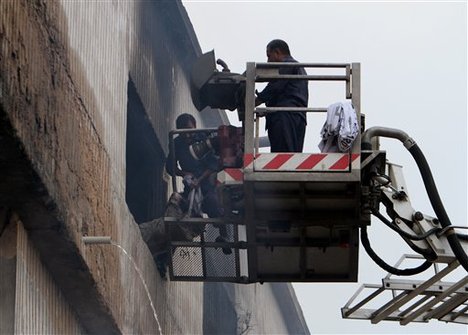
x,y
88,93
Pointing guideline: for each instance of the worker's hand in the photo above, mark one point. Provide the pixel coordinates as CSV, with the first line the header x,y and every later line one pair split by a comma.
x,y
190,181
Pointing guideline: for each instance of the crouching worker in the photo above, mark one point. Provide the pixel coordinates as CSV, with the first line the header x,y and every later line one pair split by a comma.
x,y
198,174
199,196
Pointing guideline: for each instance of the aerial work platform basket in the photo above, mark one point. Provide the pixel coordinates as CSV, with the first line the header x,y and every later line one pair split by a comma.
x,y
290,217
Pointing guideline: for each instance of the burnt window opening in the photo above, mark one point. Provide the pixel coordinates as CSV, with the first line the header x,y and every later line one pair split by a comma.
x,y
145,191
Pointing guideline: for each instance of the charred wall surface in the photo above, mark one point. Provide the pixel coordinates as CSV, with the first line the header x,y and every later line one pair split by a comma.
x,y
88,89
52,155
145,189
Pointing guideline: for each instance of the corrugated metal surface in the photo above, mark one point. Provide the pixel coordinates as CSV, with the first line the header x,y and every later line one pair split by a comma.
x,y
154,67
258,311
7,272
178,305
40,307
148,55
97,33
157,62
98,45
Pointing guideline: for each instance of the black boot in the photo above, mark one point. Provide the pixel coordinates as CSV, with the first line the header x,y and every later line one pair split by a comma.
x,y
226,250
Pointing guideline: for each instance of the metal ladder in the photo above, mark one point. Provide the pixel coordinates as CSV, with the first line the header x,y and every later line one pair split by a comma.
x,y
414,300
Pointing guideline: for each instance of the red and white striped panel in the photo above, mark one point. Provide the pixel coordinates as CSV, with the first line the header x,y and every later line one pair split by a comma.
x,y
230,176
326,162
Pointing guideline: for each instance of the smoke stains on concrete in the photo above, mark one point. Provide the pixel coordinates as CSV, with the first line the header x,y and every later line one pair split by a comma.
x,y
57,166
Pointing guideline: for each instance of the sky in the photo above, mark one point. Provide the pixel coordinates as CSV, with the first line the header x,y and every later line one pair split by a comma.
x,y
413,58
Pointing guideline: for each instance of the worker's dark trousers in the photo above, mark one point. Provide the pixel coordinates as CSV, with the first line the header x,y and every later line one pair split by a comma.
x,y
211,205
286,132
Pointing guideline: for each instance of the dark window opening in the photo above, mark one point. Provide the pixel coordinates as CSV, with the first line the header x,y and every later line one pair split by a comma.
x,y
145,192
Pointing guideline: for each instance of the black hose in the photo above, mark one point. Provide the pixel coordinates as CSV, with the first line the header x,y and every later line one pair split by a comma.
x,y
428,180
399,272
462,237
402,232
437,205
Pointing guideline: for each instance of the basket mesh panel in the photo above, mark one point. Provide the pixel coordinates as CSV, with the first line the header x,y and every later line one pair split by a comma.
x,y
201,261
187,261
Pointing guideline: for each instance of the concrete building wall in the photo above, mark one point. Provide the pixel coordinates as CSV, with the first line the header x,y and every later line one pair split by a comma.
x,y
40,307
7,273
67,69
31,302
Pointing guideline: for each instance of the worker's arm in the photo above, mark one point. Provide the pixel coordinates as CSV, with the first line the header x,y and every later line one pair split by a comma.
x,y
257,100
275,87
272,90
280,87
204,175
178,171
171,164
211,166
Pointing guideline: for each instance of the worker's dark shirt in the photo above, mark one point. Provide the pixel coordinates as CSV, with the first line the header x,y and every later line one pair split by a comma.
x,y
286,93
186,161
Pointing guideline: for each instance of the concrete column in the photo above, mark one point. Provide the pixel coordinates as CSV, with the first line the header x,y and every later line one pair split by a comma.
x,y
8,235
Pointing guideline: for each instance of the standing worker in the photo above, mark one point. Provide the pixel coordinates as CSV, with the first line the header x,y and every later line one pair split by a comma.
x,y
286,130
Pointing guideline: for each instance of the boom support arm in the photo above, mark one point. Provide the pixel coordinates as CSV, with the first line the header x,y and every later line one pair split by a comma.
x,y
418,230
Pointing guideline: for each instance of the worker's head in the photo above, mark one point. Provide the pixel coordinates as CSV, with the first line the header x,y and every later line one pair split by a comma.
x,y
277,50
186,121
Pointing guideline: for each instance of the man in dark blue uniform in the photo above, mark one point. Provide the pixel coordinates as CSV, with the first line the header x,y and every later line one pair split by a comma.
x,y
286,130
